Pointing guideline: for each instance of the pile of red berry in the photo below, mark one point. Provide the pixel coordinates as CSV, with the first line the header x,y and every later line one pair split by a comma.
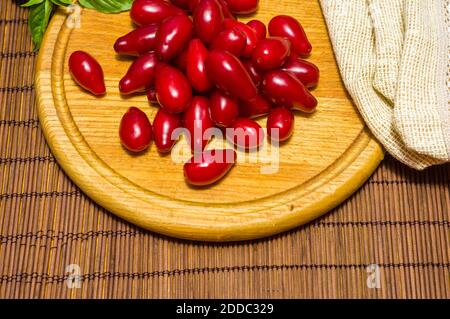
x,y
209,70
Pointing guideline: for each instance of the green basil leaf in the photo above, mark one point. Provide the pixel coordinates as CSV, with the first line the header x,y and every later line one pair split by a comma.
x,y
62,2
38,20
107,6
86,4
32,3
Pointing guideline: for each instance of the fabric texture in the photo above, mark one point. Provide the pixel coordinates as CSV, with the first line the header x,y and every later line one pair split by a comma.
x,y
394,57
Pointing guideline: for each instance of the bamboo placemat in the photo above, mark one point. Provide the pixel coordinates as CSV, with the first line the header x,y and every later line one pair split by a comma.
x,y
399,221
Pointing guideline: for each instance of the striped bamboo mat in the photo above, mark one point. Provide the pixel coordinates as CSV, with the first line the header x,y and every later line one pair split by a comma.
x,y
49,230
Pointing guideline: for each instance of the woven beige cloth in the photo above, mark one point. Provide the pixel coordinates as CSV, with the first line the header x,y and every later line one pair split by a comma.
x,y
394,57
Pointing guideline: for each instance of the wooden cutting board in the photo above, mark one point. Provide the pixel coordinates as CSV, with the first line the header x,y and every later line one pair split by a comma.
x,y
330,155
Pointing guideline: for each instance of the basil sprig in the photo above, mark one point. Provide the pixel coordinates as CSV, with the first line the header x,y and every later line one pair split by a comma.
x,y
107,6
38,20
41,10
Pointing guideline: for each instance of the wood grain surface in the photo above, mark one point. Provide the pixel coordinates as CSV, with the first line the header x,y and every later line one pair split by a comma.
x,y
330,155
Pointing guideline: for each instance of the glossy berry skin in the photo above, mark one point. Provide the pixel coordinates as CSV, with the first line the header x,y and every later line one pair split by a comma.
x,y
256,74
246,134
87,72
197,119
193,4
242,6
257,107
231,40
151,95
224,109
208,20
173,36
307,72
164,124
282,119
195,66
138,41
172,89
140,75
223,5
135,130
209,167
259,28
226,10
184,4
228,74
286,90
271,53
145,12
250,34
290,28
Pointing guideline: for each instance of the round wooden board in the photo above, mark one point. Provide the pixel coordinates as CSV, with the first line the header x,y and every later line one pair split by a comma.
x,y
330,155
